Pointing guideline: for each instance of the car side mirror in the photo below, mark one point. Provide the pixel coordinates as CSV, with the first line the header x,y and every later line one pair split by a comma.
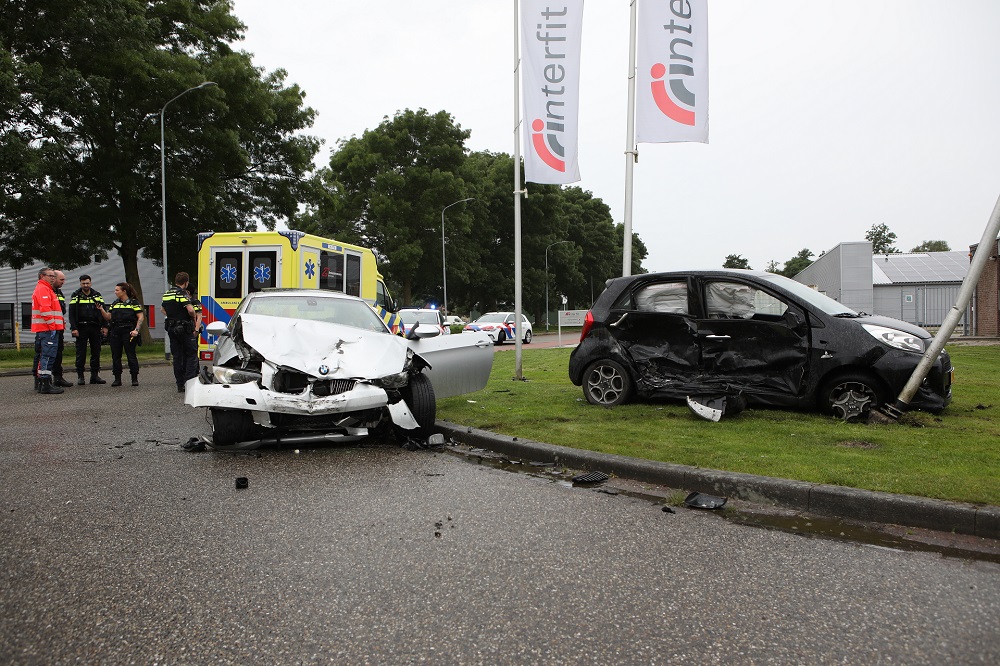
x,y
423,331
793,319
217,328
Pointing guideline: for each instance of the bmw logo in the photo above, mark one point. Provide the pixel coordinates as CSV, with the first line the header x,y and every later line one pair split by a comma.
x,y
324,370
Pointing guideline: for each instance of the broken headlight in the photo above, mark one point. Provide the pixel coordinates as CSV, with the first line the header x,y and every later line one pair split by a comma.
x,y
234,376
896,338
394,381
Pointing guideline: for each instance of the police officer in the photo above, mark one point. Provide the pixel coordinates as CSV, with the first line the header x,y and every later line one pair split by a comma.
x,y
180,327
125,315
86,323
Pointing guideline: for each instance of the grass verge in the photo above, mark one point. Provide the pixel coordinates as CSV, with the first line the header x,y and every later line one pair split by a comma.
x,y
952,456
13,359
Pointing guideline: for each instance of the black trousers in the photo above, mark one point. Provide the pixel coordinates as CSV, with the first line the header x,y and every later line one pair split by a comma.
x,y
184,349
119,339
88,335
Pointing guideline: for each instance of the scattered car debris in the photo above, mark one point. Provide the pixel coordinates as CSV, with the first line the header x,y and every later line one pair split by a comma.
x,y
591,477
667,509
194,444
714,408
702,501
242,482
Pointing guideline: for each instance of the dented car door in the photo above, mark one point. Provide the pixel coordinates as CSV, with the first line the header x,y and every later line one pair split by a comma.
x,y
751,341
656,331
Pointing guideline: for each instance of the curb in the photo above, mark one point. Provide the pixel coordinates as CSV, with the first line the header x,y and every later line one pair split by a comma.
x,y
24,372
816,498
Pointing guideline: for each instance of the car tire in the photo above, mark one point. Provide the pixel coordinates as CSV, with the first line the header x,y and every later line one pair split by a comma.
x,y
419,397
607,383
527,337
501,336
851,396
231,426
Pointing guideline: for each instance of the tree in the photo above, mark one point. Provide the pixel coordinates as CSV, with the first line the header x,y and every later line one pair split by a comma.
x,y
932,246
82,89
882,239
736,261
798,263
772,267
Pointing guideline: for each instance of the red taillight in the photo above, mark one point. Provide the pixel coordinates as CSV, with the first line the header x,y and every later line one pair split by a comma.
x,y
588,321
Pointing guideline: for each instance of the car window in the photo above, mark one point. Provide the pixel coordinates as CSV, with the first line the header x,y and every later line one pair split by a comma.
x,y
418,317
735,300
491,318
331,310
662,297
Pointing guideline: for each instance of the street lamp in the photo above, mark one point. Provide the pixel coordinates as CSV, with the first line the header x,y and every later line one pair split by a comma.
x,y
163,176
444,265
547,280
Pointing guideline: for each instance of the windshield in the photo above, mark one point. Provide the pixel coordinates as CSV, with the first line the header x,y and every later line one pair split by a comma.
x,y
809,295
419,317
344,311
492,318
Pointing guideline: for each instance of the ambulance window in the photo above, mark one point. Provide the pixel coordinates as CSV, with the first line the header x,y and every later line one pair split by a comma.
x,y
228,280
331,271
262,270
382,299
353,275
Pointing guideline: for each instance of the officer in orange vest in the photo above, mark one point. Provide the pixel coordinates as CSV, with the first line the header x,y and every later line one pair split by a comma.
x,y
47,324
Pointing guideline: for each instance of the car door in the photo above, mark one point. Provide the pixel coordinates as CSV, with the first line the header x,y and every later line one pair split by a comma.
x,y
751,340
459,363
657,333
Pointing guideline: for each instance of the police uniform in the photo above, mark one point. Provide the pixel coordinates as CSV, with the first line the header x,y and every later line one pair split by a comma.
x,y
180,330
87,321
124,335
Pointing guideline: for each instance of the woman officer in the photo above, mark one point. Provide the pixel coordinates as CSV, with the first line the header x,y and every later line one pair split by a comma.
x,y
125,315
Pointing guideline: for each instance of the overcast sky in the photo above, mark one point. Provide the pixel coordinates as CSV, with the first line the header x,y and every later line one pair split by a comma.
x,y
825,117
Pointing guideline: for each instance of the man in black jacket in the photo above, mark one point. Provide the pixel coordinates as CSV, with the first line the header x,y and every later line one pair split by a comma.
x,y
86,324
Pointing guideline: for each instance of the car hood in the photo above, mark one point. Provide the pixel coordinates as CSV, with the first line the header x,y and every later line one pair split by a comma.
x,y
309,346
898,324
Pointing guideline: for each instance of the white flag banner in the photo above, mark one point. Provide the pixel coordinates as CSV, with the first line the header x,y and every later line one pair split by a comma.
x,y
550,86
671,71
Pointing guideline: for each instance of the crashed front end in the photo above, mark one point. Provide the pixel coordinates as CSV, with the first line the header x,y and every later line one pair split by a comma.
x,y
296,376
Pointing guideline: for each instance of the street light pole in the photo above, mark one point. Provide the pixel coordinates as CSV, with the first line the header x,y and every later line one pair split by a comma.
x,y
163,175
444,265
547,280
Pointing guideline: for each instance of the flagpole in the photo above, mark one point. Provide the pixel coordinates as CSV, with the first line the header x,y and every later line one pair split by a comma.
x,y
518,325
631,151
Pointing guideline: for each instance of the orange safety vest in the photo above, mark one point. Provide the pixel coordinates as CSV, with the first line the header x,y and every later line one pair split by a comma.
x,y
46,315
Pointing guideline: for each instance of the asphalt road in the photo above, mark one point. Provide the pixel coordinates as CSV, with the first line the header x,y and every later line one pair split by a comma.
x,y
116,547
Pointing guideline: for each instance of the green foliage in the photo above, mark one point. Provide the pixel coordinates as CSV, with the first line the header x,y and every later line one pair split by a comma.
x,y
389,187
882,240
932,246
951,456
83,84
797,264
736,261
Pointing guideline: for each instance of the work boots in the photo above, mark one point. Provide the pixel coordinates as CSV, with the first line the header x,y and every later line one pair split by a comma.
x,y
117,382
95,379
57,380
47,386
80,381
135,379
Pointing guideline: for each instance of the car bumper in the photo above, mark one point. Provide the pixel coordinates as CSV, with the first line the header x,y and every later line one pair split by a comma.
x,y
250,397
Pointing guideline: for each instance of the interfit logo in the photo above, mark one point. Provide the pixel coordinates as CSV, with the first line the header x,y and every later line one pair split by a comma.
x,y
546,135
679,103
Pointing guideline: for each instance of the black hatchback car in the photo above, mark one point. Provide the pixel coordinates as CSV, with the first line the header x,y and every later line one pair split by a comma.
x,y
760,336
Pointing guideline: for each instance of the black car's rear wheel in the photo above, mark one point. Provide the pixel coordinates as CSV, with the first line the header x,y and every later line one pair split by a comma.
x,y
527,337
607,383
851,396
230,426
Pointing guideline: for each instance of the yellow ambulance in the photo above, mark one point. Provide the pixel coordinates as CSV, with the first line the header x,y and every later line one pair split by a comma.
x,y
233,264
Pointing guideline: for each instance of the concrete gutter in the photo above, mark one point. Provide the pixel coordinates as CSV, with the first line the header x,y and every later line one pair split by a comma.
x,y
815,498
